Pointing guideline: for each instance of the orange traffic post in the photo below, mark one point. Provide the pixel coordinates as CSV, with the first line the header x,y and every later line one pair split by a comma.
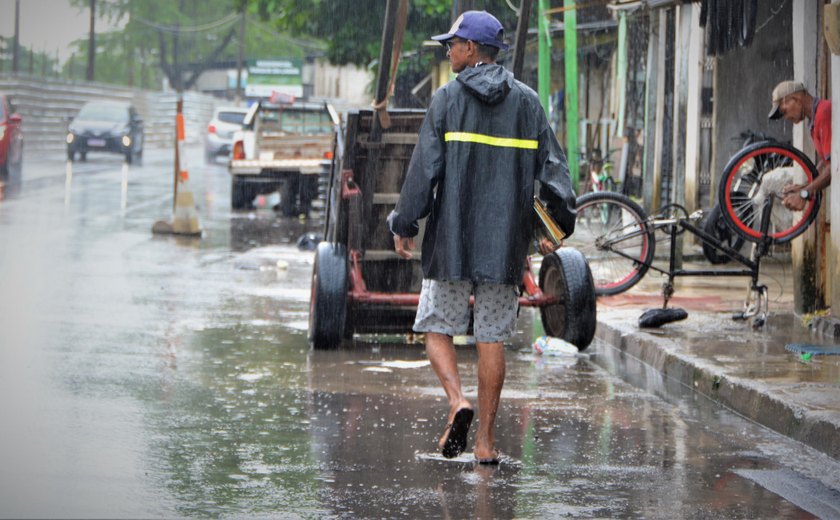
x,y
185,215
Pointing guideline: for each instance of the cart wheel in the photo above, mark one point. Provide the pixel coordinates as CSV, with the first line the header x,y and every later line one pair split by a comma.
x,y
328,298
566,275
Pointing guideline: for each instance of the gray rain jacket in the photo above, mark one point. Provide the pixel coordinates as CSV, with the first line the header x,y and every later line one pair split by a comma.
x,y
483,143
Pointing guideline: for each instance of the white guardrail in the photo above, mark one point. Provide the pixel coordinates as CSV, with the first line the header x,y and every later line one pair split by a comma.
x,y
46,104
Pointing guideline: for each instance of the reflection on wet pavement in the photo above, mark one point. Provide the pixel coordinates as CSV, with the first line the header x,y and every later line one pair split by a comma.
x,y
167,378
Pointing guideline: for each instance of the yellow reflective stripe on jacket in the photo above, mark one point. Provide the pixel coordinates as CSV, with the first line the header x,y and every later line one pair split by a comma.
x,y
504,142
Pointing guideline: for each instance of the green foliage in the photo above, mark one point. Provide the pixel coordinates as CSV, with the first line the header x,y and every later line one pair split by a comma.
x,y
150,45
352,29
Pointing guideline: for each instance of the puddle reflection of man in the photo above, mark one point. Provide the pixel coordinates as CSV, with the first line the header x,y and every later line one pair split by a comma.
x,y
483,144
792,101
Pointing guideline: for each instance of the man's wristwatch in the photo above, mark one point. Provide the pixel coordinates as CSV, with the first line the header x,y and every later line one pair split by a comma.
x,y
804,195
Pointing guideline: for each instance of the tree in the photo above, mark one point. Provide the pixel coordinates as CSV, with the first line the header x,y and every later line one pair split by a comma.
x,y
353,28
182,38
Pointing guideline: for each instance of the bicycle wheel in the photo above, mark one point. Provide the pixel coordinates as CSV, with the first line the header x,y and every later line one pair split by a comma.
x,y
619,247
758,173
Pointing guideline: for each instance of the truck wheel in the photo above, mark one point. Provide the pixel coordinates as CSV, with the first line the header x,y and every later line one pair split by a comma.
x,y
289,196
566,275
308,193
328,297
241,195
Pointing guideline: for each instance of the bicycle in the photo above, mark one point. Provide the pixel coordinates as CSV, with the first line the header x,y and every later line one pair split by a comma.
x,y
620,248
596,172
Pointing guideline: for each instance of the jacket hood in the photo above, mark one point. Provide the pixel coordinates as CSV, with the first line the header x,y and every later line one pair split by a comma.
x,y
489,83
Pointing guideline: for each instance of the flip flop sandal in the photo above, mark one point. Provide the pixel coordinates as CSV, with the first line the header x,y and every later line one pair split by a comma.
x,y
490,461
456,441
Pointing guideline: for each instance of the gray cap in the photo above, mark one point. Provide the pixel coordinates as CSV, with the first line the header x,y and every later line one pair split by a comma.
x,y
783,89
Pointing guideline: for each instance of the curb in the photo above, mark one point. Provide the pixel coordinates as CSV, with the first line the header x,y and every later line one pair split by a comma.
x,y
806,420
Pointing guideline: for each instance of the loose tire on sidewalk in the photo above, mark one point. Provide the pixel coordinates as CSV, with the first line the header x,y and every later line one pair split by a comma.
x,y
328,298
565,274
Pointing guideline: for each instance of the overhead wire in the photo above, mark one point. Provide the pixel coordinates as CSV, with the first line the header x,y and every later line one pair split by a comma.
x,y
301,43
177,29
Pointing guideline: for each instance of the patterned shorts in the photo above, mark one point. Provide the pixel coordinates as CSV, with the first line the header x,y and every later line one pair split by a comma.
x,y
445,308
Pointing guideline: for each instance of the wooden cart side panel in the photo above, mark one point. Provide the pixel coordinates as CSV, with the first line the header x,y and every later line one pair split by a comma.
x,y
360,222
383,270
339,224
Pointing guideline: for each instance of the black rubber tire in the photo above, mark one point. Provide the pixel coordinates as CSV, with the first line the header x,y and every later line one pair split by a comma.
x,y
241,195
308,192
714,224
83,156
620,249
742,178
565,274
289,196
328,297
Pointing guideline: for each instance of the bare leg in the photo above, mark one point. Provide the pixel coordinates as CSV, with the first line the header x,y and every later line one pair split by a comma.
x,y
491,378
441,353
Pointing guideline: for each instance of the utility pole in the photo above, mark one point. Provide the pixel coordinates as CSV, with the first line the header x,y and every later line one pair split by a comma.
x,y
91,42
521,38
16,45
571,63
544,51
241,58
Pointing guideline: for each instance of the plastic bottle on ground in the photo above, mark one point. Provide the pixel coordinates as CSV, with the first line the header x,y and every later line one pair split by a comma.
x,y
550,346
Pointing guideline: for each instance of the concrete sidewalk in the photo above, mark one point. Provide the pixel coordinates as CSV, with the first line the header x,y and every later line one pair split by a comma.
x,y
746,370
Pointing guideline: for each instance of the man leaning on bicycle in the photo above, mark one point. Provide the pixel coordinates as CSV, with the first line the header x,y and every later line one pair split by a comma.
x,y
792,101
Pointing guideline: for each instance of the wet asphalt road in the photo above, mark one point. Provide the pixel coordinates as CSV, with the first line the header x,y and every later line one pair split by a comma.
x,y
145,376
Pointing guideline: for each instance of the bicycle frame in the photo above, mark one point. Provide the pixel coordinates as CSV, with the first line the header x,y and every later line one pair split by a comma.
x,y
751,265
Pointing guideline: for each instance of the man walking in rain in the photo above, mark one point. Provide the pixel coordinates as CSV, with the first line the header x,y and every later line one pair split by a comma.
x,y
483,144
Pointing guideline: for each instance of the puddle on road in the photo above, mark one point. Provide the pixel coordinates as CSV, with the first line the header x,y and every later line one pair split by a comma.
x,y
215,406
252,426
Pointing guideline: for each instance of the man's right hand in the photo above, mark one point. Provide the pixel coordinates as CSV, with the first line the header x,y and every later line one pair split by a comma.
x,y
403,246
792,188
546,246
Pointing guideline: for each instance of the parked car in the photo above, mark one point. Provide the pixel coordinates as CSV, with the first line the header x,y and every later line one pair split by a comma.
x,y
11,142
106,126
219,139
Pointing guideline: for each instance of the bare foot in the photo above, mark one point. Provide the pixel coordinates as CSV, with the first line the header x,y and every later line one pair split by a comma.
x,y
485,449
491,457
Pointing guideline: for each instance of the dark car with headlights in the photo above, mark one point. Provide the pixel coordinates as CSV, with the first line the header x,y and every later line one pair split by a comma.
x,y
106,126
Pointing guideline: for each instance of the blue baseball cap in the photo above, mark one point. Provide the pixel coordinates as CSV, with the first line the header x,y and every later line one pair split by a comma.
x,y
478,26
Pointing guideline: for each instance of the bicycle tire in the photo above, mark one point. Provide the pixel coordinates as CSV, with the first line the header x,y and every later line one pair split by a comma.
x,y
620,250
752,175
714,225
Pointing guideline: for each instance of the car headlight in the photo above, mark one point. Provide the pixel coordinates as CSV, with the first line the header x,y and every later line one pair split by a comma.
x,y
70,137
126,140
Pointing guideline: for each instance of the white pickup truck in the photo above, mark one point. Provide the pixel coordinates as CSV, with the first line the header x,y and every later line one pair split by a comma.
x,y
285,147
